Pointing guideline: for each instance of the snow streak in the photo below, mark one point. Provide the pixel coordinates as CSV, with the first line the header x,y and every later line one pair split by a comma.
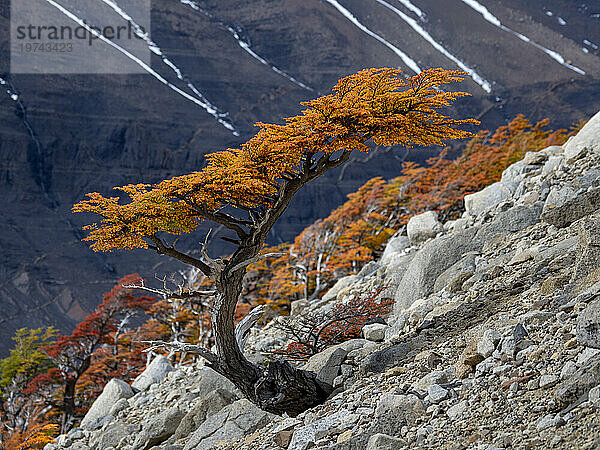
x,y
246,47
13,95
154,48
405,58
495,21
206,106
485,85
413,8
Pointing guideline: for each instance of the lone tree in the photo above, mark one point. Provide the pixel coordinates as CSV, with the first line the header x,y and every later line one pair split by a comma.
x,y
246,190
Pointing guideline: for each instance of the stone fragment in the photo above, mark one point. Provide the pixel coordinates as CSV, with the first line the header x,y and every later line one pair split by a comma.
x,y
578,384
113,391
374,332
210,404
422,227
156,371
384,359
382,441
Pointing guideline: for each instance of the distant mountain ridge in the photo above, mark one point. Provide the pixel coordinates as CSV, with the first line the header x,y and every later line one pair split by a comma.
x,y
63,136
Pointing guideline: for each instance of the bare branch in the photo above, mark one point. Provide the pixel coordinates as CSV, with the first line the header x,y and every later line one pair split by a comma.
x,y
162,249
182,347
253,260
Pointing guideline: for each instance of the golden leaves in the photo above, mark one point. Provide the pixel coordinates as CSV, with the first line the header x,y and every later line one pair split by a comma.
x,y
374,104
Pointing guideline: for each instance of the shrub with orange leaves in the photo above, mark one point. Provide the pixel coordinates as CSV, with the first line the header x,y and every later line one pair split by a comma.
x,y
313,333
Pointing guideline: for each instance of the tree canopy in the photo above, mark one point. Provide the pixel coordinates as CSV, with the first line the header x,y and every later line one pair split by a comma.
x,y
374,104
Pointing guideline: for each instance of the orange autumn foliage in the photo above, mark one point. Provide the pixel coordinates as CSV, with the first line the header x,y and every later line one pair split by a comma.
x,y
374,104
356,232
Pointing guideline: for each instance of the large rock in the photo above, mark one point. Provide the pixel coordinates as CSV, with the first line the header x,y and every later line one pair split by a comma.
x,y
305,437
429,263
489,197
342,283
393,248
422,227
580,383
564,212
588,139
113,434
156,371
159,428
204,407
395,411
588,325
382,441
587,265
463,268
114,390
232,422
384,359
208,381
327,363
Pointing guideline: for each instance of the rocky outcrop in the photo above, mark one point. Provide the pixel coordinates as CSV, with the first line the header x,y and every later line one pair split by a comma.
x,y
494,343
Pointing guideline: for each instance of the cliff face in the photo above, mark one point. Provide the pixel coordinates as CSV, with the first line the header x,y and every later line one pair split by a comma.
x,y
64,136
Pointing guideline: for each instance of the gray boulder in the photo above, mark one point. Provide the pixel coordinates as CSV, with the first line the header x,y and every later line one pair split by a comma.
x,y
232,422
587,265
429,263
588,325
464,268
395,411
487,198
327,363
113,434
393,247
159,428
156,371
114,391
384,359
588,139
564,211
305,437
382,441
422,227
580,383
208,380
342,283
204,407
374,332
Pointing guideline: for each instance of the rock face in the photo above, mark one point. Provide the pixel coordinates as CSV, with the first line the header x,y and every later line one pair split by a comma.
x,y
588,325
588,139
156,371
481,201
114,391
422,227
234,421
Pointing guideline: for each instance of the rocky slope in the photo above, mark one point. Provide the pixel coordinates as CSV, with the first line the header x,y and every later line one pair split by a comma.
x,y
63,136
493,342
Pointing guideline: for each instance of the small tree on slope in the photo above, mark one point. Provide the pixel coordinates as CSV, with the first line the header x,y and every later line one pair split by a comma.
x,y
246,190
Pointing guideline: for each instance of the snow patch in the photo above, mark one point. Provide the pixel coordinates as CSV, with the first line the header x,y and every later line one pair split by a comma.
x,y
485,85
154,48
561,21
494,20
408,5
403,56
246,47
143,65
590,44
